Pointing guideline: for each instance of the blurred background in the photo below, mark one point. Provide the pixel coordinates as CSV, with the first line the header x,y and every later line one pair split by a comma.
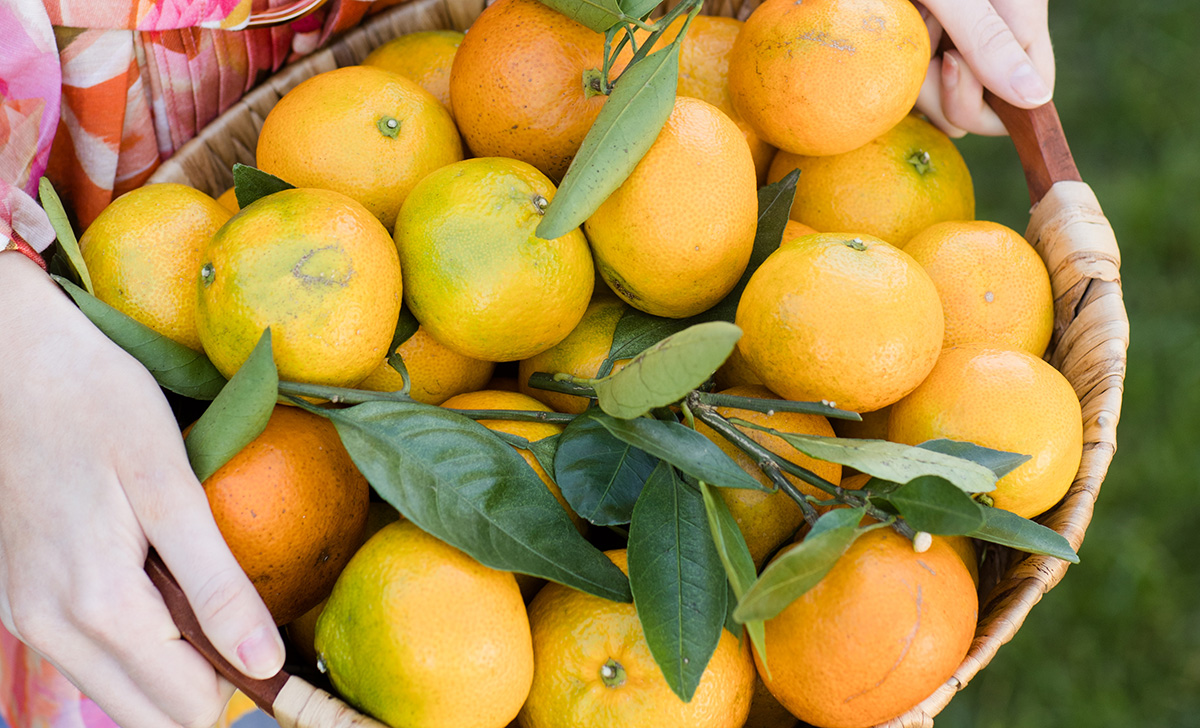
x,y
1117,642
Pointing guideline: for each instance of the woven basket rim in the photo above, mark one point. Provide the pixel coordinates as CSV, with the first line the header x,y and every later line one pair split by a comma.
x,y
1089,346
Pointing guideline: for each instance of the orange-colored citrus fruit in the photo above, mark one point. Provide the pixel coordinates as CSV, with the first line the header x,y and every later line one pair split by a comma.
x,y
843,318
292,507
580,354
769,519
592,667
424,57
898,184
793,230
316,267
488,399
475,273
878,634
704,74
993,285
437,371
1004,399
365,132
421,635
143,250
826,76
873,425
525,84
228,200
735,372
676,236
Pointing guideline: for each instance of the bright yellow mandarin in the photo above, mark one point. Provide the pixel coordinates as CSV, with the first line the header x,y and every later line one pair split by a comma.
x,y
580,354
437,372
316,267
475,273
142,253
424,57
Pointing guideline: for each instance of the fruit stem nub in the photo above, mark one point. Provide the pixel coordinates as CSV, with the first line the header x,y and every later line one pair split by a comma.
x,y
389,126
612,674
920,161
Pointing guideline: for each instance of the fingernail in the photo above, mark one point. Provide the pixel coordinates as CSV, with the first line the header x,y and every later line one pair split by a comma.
x,y
949,71
1029,85
261,653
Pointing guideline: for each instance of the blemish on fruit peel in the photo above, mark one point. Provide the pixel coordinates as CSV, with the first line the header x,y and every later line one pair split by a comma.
x,y
989,296
874,24
822,38
922,541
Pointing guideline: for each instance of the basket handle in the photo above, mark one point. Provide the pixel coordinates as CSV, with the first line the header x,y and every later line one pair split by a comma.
x,y
1041,144
286,14
291,701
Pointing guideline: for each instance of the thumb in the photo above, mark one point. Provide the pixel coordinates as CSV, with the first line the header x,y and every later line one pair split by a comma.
x,y
992,50
180,526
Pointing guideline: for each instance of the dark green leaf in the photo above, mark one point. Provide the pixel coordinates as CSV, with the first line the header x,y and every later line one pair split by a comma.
x,y
251,184
998,461
932,504
628,124
677,579
599,15
544,451
637,8
735,557
456,480
681,446
1008,529
406,326
599,475
637,331
888,460
173,365
67,244
238,414
802,566
667,371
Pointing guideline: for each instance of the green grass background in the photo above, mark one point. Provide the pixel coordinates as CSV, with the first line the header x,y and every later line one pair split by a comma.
x,y
1117,643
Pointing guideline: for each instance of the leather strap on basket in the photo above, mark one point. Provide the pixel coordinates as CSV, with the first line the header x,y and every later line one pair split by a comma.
x,y
1038,136
281,15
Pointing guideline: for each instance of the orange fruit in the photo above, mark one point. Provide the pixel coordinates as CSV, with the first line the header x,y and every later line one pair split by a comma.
x,y
1004,399
228,200
872,427
592,667
827,76
676,236
769,519
793,230
424,57
142,251
292,507
580,354
735,372
993,285
315,266
365,132
437,371
490,399
475,273
883,630
419,634
898,184
704,74
843,318
525,84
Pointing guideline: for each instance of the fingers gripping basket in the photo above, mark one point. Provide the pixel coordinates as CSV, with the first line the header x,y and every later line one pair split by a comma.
x,y
1067,227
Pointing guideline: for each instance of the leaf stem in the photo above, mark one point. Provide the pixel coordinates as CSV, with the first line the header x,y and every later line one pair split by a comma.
x,y
341,395
517,415
769,406
552,383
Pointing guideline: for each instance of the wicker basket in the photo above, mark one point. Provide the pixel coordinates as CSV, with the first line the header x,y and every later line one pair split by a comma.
x,y
1067,228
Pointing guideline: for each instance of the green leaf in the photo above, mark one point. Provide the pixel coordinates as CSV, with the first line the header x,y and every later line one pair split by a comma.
x,y
1009,529
599,475
637,8
735,557
544,451
599,15
677,579
67,244
173,365
637,331
238,414
628,124
802,566
406,326
682,447
251,184
998,461
932,504
667,371
888,460
456,480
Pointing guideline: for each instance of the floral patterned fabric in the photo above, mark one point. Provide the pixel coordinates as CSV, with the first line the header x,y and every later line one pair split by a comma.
x,y
94,94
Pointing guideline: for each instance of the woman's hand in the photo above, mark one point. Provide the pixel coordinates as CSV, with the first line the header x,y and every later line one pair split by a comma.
x,y
92,472
1003,45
